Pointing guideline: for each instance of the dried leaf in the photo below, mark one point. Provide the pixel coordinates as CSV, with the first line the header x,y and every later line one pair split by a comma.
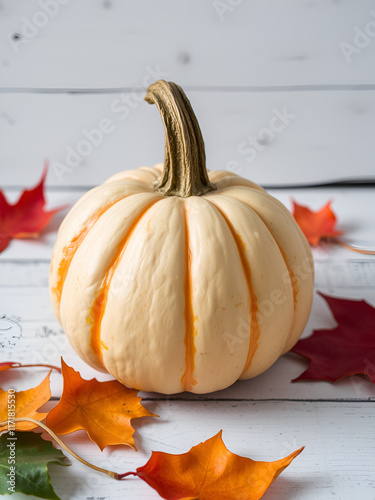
x,y
32,456
27,217
345,350
26,404
209,471
103,409
316,225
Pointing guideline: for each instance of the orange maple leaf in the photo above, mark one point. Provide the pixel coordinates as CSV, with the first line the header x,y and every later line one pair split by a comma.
x,y
103,409
316,225
210,471
26,405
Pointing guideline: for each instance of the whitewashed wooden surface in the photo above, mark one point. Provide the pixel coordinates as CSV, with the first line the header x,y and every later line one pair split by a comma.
x,y
263,418
238,67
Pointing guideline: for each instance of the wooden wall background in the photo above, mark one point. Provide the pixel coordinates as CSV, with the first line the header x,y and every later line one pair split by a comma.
x,y
66,65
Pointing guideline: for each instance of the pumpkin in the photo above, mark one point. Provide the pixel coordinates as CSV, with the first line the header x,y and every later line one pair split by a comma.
x,y
172,278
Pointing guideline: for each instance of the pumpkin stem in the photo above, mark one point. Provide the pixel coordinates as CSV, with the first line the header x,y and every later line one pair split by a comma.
x,y
185,172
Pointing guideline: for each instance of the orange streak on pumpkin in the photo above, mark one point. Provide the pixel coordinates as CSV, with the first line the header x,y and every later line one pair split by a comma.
x,y
68,254
187,379
97,311
254,325
70,250
293,278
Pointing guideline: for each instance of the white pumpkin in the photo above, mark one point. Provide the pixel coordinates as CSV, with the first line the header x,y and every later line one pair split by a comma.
x,y
172,279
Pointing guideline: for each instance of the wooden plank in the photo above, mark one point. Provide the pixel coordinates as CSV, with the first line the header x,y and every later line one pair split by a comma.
x,y
275,429
24,273
337,461
43,341
113,43
274,138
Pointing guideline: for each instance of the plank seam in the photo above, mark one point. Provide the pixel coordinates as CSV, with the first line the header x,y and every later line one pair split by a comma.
x,y
196,88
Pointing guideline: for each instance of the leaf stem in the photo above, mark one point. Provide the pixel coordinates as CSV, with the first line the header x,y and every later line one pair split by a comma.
x,y
20,365
109,473
353,249
125,474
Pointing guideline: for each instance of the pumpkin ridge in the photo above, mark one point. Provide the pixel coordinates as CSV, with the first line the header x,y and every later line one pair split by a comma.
x,y
137,175
278,204
254,325
292,277
223,182
293,280
295,284
71,248
69,251
187,379
99,305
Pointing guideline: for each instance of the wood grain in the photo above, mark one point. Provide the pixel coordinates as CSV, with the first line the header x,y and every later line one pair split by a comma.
x,y
300,137
107,44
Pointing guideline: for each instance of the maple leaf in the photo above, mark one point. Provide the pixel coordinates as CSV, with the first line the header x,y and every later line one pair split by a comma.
x,y
103,409
32,456
316,225
345,350
210,471
26,404
27,217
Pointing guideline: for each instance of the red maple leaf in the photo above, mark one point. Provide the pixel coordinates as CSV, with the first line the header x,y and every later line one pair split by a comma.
x,y
348,349
316,225
27,217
